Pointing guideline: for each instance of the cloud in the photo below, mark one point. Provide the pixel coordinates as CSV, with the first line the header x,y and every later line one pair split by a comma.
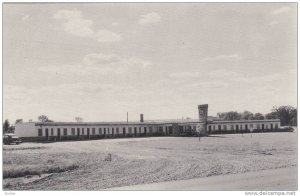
x,y
258,79
100,64
149,18
223,73
274,22
25,17
100,58
180,75
234,57
75,24
114,24
107,36
281,10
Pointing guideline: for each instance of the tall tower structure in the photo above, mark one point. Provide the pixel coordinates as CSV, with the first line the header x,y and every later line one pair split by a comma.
x,y
203,110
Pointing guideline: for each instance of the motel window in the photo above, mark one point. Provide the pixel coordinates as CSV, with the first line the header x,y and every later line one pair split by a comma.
x,y
40,132
232,127
130,130
145,129
93,131
78,130
117,130
65,131
124,129
52,131
258,126
82,131
100,131
224,127
73,131
140,129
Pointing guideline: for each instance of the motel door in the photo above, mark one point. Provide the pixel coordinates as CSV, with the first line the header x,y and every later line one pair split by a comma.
x,y
78,132
58,133
88,133
237,127
262,127
47,134
135,131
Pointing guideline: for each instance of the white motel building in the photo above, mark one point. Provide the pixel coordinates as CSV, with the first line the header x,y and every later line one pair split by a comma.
x,y
55,131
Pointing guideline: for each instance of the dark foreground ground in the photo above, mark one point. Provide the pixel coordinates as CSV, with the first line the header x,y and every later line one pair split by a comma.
x,y
84,165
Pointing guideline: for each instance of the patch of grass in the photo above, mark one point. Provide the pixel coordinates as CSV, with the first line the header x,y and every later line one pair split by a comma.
x,y
21,172
24,148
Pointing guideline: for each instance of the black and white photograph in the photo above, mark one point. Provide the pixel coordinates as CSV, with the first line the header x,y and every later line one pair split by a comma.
x,y
150,96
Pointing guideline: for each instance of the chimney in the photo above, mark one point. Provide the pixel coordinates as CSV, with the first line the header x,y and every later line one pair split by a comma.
x,y
141,117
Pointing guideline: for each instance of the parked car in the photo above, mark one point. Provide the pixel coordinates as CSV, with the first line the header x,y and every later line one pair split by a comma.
x,y
286,129
11,138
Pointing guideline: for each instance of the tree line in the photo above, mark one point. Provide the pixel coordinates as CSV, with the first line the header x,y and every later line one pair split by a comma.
x,y
286,114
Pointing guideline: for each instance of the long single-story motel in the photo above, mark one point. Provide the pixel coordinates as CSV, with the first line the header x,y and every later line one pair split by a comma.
x,y
54,131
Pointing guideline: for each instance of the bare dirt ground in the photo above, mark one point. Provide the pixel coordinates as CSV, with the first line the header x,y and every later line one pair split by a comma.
x,y
282,179
81,165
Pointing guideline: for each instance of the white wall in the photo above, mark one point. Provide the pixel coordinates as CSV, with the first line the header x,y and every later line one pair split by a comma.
x,y
26,129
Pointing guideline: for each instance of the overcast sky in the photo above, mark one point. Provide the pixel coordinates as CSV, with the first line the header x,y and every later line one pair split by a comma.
x,y
98,61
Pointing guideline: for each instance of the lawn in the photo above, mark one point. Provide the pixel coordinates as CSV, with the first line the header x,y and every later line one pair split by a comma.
x,y
83,165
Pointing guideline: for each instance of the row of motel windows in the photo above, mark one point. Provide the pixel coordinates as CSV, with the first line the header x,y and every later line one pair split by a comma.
x,y
101,131
242,127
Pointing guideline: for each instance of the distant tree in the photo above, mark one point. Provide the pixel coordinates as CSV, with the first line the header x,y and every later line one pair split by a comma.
x,y
271,115
287,115
6,126
44,118
246,115
232,115
78,119
258,116
19,121
221,115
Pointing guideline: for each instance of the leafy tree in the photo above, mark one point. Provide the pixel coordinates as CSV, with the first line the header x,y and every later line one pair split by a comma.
x,y
78,119
232,115
246,115
6,126
271,115
287,115
221,115
44,118
258,116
